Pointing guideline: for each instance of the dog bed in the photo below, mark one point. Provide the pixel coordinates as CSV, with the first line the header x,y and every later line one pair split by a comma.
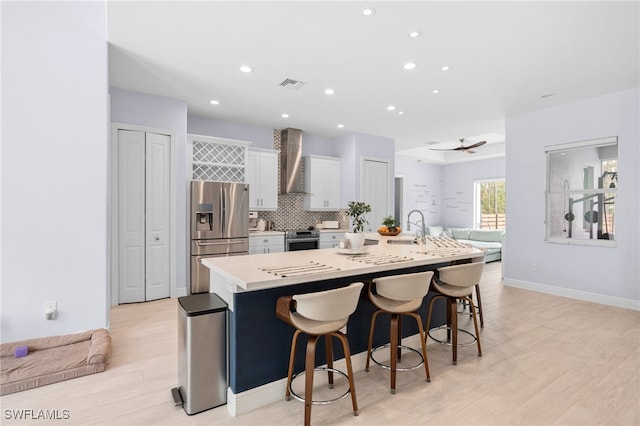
x,y
53,359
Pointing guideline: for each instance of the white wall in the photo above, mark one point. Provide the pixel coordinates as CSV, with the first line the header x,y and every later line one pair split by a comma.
x,y
422,190
54,167
458,187
161,113
260,137
603,274
346,150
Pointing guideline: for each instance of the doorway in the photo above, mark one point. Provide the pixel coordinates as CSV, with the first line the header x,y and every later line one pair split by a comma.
x,y
142,245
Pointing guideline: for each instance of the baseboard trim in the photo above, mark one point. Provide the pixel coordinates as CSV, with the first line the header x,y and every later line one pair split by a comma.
x,y
586,296
244,402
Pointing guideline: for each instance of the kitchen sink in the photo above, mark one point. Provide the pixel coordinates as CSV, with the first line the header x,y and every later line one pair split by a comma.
x,y
402,241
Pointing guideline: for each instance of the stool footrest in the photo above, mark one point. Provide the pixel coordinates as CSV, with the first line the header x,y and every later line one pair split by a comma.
x,y
388,367
321,401
447,342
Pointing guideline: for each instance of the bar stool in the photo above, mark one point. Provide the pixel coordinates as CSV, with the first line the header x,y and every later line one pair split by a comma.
x,y
456,283
476,305
319,314
399,295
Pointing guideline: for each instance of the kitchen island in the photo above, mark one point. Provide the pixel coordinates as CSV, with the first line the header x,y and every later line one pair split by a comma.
x,y
259,342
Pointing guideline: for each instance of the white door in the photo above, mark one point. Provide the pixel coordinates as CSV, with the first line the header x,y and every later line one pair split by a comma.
x,y
375,191
143,216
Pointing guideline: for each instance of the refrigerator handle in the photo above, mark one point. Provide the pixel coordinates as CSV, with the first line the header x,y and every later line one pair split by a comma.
x,y
224,210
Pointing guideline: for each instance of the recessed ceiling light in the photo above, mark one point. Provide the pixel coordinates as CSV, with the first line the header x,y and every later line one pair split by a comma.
x,y
214,102
435,91
400,112
285,115
414,34
391,108
368,11
445,68
340,126
246,68
329,92
409,65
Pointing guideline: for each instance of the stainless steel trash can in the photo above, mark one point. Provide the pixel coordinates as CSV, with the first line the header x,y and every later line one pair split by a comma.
x,y
202,352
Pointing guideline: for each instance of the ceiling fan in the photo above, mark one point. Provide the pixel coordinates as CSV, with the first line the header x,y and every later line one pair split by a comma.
x,y
462,147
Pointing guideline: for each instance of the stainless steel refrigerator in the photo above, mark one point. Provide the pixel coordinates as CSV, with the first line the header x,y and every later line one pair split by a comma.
x,y
219,226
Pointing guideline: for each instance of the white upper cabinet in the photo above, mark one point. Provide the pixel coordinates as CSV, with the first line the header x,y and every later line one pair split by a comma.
x,y
262,177
322,182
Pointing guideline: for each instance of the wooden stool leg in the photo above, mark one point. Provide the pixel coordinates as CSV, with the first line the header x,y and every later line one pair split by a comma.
x,y
475,324
480,305
453,313
329,354
370,346
309,365
347,358
423,340
393,350
292,359
429,311
399,339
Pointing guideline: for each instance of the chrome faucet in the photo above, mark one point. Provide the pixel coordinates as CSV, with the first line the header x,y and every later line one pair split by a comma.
x,y
409,223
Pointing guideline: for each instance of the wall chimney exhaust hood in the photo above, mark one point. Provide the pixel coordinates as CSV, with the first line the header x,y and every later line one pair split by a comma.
x,y
291,180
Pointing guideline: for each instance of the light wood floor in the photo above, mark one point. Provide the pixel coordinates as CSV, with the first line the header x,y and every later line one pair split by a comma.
x,y
546,360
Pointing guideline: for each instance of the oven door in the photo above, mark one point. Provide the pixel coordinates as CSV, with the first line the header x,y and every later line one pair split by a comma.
x,y
302,244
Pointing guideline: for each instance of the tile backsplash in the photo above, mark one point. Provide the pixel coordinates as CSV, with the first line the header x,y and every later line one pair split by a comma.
x,y
291,213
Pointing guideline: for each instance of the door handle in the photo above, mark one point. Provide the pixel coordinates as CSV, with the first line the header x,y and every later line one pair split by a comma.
x,y
223,243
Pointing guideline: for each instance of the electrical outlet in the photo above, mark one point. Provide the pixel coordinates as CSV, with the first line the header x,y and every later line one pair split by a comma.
x,y
50,310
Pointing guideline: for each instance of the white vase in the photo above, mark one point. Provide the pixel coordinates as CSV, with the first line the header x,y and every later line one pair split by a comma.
x,y
356,239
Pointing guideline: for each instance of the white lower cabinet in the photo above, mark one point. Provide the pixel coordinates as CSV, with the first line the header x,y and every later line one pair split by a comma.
x,y
330,239
259,244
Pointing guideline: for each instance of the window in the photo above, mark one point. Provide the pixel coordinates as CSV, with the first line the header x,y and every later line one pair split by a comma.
x,y
582,180
490,202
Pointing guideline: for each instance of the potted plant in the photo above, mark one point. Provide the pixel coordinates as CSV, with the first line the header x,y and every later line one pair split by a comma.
x,y
356,211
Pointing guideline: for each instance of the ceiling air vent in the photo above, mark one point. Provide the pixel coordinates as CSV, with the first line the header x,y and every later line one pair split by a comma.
x,y
291,83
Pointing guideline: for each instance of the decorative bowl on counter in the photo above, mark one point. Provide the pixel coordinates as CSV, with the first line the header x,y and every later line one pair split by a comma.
x,y
390,233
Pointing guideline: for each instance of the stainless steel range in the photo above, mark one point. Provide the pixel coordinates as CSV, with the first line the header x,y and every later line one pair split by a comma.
x,y
301,240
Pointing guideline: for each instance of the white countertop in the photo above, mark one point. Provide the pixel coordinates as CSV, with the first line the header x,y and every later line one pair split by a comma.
x,y
246,273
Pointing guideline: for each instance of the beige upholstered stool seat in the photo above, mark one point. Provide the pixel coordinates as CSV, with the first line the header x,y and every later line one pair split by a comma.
x,y
399,295
452,290
318,314
310,326
455,283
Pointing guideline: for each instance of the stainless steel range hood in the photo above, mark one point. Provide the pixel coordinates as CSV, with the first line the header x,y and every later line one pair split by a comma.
x,y
291,180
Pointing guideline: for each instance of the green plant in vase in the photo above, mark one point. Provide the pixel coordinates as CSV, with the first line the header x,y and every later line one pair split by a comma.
x,y
356,211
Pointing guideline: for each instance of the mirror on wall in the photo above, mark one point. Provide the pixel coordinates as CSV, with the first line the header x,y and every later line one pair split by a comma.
x,y
582,182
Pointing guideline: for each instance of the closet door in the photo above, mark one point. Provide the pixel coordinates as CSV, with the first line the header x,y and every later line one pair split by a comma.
x,y
158,149
143,216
